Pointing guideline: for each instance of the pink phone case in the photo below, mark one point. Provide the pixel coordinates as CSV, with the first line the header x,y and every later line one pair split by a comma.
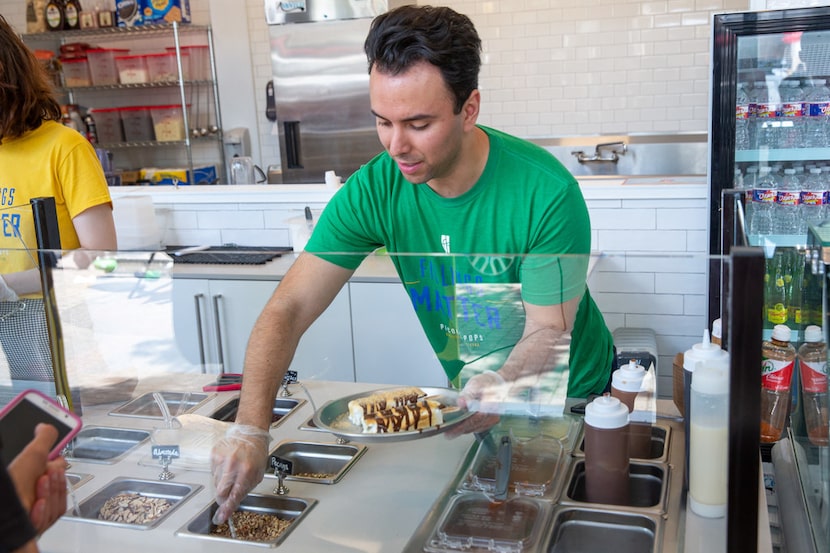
x,y
69,418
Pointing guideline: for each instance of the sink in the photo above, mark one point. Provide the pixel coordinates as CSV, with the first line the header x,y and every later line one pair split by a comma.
x,y
647,485
282,408
289,509
145,406
315,462
595,531
151,502
104,444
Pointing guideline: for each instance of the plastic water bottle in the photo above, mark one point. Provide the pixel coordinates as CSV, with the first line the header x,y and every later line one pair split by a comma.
x,y
792,115
813,198
786,214
818,99
742,119
812,361
763,202
758,114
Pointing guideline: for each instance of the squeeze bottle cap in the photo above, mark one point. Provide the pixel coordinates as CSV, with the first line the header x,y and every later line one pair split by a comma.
x,y
606,412
717,328
782,333
813,333
703,351
629,377
711,378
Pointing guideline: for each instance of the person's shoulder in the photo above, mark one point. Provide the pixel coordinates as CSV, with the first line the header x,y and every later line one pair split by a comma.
x,y
526,153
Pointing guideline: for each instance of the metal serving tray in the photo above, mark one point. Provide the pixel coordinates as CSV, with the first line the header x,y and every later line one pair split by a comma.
x,y
176,494
327,462
76,480
281,409
286,508
145,406
600,531
648,486
104,444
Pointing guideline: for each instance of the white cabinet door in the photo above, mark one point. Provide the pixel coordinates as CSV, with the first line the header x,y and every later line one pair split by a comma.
x,y
213,320
390,346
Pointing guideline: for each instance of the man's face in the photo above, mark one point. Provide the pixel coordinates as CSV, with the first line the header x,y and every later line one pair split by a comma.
x,y
415,122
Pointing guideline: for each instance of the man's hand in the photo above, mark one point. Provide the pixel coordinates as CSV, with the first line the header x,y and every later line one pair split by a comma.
x,y
483,394
238,465
40,483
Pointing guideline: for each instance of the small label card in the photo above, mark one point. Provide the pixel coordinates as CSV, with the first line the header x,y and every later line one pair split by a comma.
x,y
168,451
281,465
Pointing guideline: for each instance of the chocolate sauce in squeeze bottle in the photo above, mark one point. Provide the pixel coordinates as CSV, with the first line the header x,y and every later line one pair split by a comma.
x,y
606,451
626,383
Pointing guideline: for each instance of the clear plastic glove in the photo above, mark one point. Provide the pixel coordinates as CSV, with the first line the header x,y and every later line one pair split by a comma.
x,y
483,394
6,293
238,465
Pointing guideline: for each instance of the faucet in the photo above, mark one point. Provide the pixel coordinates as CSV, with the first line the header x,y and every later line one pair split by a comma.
x,y
616,148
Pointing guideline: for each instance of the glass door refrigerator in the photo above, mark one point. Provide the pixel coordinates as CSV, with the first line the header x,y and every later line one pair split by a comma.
x,y
769,171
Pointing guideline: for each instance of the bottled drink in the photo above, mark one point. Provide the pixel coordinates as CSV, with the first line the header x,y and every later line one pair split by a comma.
x,y
765,116
786,215
738,179
607,477
709,441
763,202
72,14
54,15
818,100
792,115
778,360
776,292
794,280
742,141
812,362
750,180
812,198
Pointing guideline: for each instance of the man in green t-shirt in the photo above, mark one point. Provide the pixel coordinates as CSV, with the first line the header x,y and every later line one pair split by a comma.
x,y
489,233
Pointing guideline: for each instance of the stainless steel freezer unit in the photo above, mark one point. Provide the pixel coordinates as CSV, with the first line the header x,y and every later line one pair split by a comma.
x,y
321,86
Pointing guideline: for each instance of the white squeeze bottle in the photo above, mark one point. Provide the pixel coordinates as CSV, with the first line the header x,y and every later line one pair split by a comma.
x,y
703,352
709,440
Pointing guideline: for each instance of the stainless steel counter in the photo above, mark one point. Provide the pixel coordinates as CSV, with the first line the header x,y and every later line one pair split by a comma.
x,y
376,506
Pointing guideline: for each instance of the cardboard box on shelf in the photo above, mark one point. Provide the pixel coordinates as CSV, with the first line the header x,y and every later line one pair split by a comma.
x,y
179,176
166,11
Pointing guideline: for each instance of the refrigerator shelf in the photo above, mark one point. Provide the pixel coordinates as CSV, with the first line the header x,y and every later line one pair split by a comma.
x,y
783,154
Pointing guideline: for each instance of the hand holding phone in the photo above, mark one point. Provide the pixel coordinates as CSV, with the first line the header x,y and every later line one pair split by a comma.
x,y
19,418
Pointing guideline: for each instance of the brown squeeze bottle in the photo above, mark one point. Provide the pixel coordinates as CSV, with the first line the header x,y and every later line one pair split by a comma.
x,y
777,363
606,451
625,385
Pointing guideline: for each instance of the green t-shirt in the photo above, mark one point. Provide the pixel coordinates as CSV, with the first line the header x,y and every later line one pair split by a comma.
x,y
525,202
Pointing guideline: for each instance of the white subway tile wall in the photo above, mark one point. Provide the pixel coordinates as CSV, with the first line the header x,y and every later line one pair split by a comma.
x,y
555,68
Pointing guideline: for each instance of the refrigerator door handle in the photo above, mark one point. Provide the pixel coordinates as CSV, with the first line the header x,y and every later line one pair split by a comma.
x,y
292,144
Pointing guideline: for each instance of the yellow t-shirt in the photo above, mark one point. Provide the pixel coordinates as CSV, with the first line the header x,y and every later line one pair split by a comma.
x,y
52,160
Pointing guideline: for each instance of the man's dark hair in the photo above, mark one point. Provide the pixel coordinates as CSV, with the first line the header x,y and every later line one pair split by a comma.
x,y
26,93
400,38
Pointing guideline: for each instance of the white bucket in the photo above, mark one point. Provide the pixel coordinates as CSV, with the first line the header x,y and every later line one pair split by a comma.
x,y
136,226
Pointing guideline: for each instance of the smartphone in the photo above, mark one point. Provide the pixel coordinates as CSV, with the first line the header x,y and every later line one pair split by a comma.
x,y
19,418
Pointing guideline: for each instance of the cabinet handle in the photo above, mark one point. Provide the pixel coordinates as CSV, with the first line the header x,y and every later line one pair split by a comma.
x,y
218,322
197,299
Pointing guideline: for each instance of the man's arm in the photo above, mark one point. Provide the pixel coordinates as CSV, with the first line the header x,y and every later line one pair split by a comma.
x,y
546,326
308,288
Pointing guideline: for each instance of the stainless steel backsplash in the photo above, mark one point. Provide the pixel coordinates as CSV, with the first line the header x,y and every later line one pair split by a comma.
x,y
642,154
